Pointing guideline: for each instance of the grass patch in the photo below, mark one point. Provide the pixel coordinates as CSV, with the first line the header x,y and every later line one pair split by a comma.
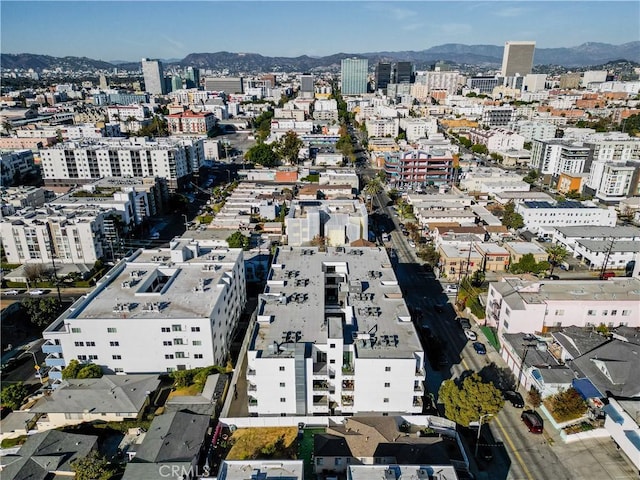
x,y
492,338
305,450
205,219
191,390
13,442
263,443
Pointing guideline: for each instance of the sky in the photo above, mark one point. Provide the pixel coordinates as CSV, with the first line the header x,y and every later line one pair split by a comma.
x,y
130,30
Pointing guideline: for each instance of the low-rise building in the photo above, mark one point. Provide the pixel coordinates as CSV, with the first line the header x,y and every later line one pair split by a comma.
x,y
518,249
616,254
569,236
16,166
544,216
262,469
355,349
418,168
459,259
497,139
156,311
495,258
339,222
190,122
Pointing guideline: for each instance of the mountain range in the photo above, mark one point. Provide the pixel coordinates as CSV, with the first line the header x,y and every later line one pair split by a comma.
x,y
486,56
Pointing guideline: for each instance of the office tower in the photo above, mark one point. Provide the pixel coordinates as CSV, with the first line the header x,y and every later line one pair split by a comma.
x,y
517,58
103,82
306,85
227,85
193,77
383,75
402,72
354,76
153,76
176,83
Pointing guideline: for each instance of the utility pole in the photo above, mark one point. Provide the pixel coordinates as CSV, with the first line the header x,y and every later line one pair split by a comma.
x,y
526,347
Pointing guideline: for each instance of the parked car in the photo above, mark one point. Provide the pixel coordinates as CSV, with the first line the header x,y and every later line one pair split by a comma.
x,y
552,277
532,420
607,275
480,348
471,335
515,398
451,288
464,322
412,244
11,292
36,292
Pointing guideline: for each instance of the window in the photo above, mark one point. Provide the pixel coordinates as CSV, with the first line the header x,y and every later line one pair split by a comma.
x,y
387,385
282,384
112,330
167,343
319,461
166,329
283,399
116,357
195,329
197,342
114,344
591,313
332,345
76,330
614,313
82,358
176,328
626,313
387,369
168,356
178,341
559,313
93,357
197,355
91,344
180,355
507,311
385,400
605,313
79,344
338,461
118,370
281,368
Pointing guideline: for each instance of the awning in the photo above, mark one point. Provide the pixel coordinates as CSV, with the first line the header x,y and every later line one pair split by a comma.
x,y
585,388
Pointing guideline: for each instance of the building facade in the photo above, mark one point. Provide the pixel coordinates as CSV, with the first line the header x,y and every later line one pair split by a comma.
x,y
517,58
153,76
543,217
354,73
419,168
191,122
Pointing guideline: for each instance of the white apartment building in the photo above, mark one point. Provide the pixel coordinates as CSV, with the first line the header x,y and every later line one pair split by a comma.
x,y
497,140
326,110
88,160
159,310
531,129
333,336
340,177
613,146
544,217
518,306
77,233
594,253
613,181
492,180
534,82
280,127
416,128
593,76
570,236
439,81
555,156
122,113
498,116
382,127
14,165
340,222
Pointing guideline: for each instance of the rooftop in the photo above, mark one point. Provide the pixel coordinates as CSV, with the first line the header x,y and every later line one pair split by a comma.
x,y
618,246
594,231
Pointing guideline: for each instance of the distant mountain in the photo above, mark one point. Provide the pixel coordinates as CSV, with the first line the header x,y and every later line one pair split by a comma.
x,y
488,56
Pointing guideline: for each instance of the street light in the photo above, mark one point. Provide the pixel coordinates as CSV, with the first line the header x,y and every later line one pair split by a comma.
x,y
526,346
37,367
480,429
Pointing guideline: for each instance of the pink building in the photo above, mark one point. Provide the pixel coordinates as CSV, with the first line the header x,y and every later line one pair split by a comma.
x,y
191,122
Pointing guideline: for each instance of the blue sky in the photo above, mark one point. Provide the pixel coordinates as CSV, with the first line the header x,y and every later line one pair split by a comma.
x,y
129,30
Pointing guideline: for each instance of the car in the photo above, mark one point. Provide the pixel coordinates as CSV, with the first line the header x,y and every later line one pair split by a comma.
x,y
405,233
533,421
470,334
11,292
552,277
36,292
480,348
464,322
515,398
451,288
412,244
607,275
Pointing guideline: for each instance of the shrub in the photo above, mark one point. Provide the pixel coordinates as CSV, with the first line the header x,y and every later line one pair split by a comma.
x,y
567,405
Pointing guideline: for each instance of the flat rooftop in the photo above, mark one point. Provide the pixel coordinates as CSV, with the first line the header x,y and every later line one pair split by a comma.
x,y
619,246
367,298
595,231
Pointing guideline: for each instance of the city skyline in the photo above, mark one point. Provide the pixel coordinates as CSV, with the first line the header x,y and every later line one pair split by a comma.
x,y
128,31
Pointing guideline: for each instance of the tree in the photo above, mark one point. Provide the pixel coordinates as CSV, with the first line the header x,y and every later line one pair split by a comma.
x,y
567,405
289,147
478,148
93,467
33,272
90,370
466,400
477,278
237,240
531,176
262,154
430,255
528,264
373,188
511,219
71,370
42,311
12,395
557,255
534,397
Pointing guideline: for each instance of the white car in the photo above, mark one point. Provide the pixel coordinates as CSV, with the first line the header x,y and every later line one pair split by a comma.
x,y
471,335
36,292
11,292
451,288
412,244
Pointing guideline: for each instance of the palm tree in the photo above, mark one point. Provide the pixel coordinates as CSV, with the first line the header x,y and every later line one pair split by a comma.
x,y
373,188
557,254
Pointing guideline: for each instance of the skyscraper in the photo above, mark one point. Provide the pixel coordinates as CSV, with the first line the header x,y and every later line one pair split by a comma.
x,y
517,58
383,75
153,76
193,77
354,76
306,85
402,72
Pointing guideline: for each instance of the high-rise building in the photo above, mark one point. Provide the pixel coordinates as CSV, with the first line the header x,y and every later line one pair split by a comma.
x,y
354,76
517,58
176,82
402,72
153,76
382,75
227,85
193,77
306,85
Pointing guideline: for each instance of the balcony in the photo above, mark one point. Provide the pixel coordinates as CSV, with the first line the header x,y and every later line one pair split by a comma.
x,y
54,361
417,401
320,368
251,372
253,402
420,372
347,400
251,387
347,385
418,387
320,401
348,370
51,348
320,385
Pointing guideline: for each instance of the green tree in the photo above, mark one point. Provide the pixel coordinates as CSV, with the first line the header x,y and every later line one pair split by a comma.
x,y
12,395
373,188
478,148
567,405
71,370
534,397
631,125
262,154
238,240
557,255
526,264
430,255
477,278
289,147
531,176
42,311
93,467
511,219
90,370
465,401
